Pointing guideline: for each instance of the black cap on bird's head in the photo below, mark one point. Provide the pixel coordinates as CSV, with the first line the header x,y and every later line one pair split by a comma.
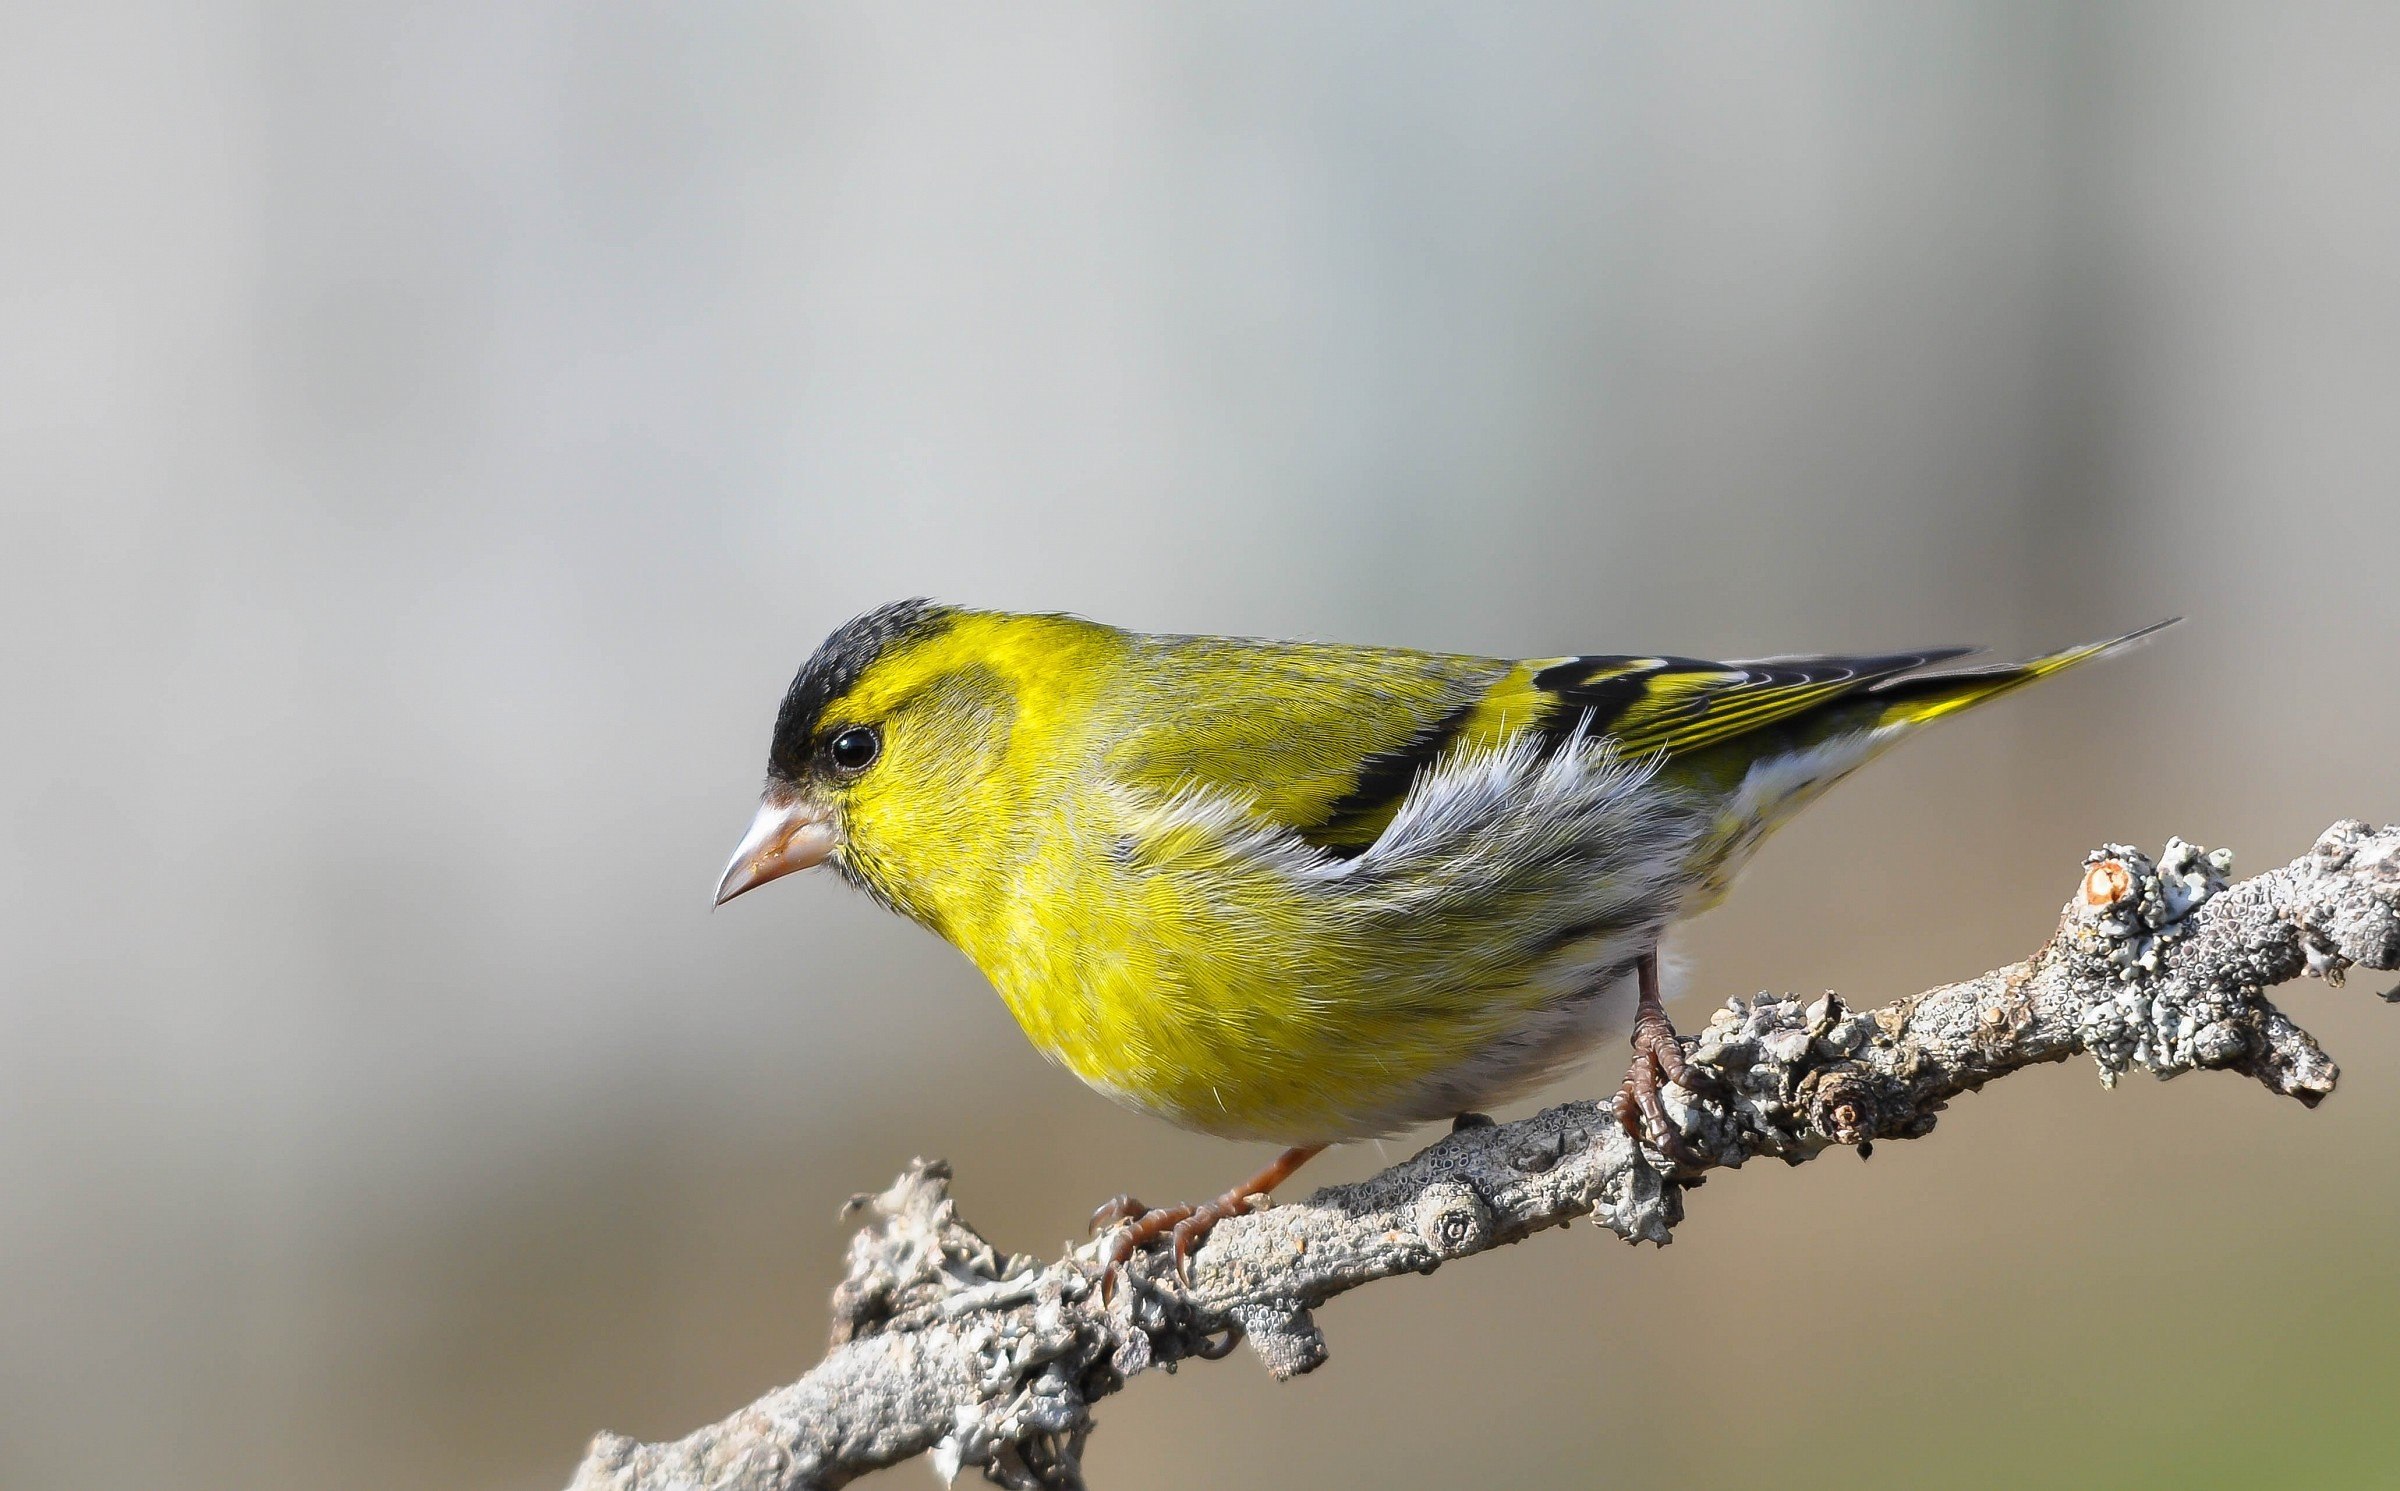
x,y
834,669
794,829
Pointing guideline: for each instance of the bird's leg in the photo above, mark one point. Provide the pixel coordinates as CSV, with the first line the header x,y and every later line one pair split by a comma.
x,y
1657,1057
1188,1224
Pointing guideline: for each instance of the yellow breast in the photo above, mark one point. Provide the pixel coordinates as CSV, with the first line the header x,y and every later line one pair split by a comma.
x,y
1227,1006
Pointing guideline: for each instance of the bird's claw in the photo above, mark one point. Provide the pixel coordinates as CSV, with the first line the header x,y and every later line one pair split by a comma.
x,y
1184,1227
1187,1235
1658,1059
1116,1211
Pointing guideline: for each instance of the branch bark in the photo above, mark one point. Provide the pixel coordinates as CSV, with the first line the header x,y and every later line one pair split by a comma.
x,y
943,1345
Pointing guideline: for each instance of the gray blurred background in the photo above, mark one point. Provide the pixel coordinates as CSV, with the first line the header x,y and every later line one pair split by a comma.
x,y
430,436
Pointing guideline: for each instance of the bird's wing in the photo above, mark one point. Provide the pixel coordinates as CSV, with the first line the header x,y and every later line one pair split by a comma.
x,y
1520,839
1674,706
1326,740
1316,738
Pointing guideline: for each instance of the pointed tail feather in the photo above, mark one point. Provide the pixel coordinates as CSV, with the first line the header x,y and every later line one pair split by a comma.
x,y
1918,698
1775,784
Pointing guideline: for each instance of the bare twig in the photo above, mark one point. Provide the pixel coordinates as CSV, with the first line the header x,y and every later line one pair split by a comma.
x,y
942,1345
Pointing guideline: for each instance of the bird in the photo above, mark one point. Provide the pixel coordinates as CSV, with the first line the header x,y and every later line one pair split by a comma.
x,y
1305,892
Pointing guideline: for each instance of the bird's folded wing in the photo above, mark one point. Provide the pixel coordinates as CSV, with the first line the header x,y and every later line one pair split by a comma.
x,y
1674,706
1494,854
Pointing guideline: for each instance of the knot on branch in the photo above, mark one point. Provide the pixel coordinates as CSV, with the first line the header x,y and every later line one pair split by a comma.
x,y
1792,1082
2122,926
2131,906
916,1260
1035,1364
2338,931
1629,1198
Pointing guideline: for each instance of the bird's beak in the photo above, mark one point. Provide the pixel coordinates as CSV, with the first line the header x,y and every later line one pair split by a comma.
x,y
786,835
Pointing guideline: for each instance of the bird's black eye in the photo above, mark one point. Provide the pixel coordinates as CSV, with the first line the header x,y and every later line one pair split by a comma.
x,y
855,749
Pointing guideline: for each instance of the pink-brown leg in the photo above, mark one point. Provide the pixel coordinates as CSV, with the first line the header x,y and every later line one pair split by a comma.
x,y
1187,1225
1657,1058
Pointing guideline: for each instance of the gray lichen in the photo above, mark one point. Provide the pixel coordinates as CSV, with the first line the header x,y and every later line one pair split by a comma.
x,y
2129,914
945,1346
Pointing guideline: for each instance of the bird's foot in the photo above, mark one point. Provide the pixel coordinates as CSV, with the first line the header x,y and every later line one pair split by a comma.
x,y
1184,1226
1137,1226
1658,1059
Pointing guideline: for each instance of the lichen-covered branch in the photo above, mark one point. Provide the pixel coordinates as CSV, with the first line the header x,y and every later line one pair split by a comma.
x,y
943,1345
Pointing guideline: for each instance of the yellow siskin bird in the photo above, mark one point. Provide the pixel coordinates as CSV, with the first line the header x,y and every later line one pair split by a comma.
x,y
1303,892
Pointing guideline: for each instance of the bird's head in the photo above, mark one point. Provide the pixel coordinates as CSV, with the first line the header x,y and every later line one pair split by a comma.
x,y
889,759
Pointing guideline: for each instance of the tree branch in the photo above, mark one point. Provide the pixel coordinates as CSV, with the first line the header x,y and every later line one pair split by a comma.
x,y
942,1345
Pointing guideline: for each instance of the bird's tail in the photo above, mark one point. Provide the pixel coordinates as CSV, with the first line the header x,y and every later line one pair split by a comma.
x,y
1920,698
1793,771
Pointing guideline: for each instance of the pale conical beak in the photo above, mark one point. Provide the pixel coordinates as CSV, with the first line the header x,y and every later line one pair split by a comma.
x,y
785,836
